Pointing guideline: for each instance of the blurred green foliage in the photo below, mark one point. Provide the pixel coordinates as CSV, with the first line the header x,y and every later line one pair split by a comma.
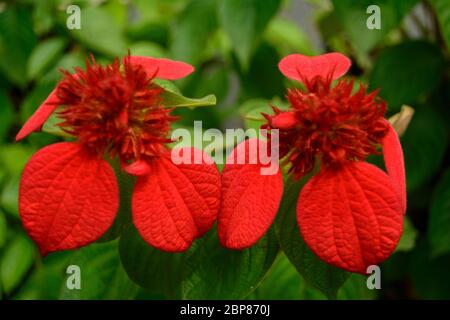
x,y
235,46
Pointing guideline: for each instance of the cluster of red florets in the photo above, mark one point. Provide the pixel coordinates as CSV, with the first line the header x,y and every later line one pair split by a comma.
x,y
329,123
115,109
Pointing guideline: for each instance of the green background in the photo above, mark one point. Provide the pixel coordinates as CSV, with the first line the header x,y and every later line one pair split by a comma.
x,y
235,46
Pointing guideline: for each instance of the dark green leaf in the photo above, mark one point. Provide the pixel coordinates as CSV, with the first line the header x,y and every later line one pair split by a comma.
x,y
100,32
283,282
442,10
406,72
16,261
44,55
430,276
353,17
6,114
157,271
213,272
67,62
264,66
439,219
426,135
123,219
245,22
192,30
17,40
355,288
102,275
46,279
3,229
326,278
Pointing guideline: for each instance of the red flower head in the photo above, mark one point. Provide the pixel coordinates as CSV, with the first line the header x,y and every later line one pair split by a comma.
x,y
350,213
69,196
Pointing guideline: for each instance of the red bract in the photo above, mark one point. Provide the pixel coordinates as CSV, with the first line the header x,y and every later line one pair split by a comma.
x,y
69,195
350,213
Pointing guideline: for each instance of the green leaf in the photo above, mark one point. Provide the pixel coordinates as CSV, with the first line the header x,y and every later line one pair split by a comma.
x,y
67,62
408,239
355,288
6,114
213,272
353,16
13,158
17,40
147,49
430,276
3,229
426,135
100,32
16,261
245,21
157,271
102,275
9,196
287,37
215,78
192,31
439,218
407,72
442,10
123,219
283,282
46,279
263,79
326,278
42,57
173,99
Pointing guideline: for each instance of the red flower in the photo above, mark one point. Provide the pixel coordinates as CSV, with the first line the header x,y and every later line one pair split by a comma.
x,y
350,213
69,196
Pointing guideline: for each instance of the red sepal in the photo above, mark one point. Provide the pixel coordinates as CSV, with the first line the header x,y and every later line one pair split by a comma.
x,y
250,200
395,165
304,68
163,68
35,122
68,198
351,217
175,204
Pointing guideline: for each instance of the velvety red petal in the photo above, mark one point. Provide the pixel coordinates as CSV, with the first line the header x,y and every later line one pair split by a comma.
x,y
41,115
67,197
351,217
395,165
175,204
163,68
300,67
250,200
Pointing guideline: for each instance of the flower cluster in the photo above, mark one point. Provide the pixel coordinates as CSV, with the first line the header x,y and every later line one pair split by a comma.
x,y
350,213
69,195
